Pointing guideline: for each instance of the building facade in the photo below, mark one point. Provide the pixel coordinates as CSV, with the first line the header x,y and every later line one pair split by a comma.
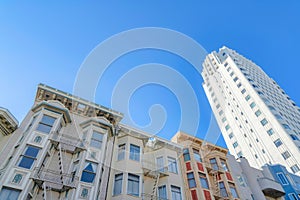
x,y
289,181
8,124
62,150
145,167
254,183
205,170
257,118
69,148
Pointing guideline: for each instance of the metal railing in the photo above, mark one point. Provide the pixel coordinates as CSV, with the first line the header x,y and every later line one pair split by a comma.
x,y
55,177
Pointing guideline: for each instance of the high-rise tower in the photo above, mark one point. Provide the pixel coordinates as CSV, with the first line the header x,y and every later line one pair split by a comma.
x,y
257,118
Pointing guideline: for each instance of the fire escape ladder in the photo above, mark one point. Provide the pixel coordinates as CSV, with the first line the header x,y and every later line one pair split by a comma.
x,y
44,191
215,177
155,186
60,162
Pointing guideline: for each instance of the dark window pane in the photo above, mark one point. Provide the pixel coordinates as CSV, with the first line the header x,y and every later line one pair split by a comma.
x,y
26,162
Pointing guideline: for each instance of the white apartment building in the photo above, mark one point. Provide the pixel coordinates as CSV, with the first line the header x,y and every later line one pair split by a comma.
x,y
70,148
257,118
62,150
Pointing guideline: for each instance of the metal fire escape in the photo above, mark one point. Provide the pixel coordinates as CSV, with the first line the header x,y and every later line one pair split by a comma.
x,y
58,180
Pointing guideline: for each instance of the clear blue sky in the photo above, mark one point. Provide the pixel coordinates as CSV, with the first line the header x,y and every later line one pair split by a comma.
x,y
47,43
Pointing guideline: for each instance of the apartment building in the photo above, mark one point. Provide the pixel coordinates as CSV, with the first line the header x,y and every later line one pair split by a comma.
x,y
205,170
258,120
145,167
70,148
62,150
8,124
289,181
253,183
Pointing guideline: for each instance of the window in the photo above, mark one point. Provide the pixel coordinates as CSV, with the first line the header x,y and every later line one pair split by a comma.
x,y
37,139
121,151
203,181
133,185
176,192
295,168
218,106
235,79
278,116
45,125
242,181
294,137
286,155
118,184
247,97
162,192
257,113
224,119
17,178
270,131
213,163
224,165
231,74
96,140
282,178
292,196
277,142
160,163
9,193
239,85
221,112
89,172
197,156
227,127
84,193
191,180
31,123
253,104
243,91
264,122
134,152
286,126
233,192
271,107
230,135
239,154
172,165
223,191
186,155
28,158
235,144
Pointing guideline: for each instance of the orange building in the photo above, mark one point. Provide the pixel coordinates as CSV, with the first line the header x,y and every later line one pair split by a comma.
x,y
205,169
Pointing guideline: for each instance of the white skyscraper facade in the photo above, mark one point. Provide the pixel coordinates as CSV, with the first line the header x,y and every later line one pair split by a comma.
x,y
257,118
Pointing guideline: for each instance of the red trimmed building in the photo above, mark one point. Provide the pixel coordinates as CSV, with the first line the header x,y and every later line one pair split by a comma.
x,y
205,169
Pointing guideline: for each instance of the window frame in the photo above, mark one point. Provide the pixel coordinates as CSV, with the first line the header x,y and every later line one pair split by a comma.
x,y
134,152
131,183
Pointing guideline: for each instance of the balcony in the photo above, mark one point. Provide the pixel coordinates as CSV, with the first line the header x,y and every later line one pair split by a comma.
x,y
270,187
151,170
54,179
68,143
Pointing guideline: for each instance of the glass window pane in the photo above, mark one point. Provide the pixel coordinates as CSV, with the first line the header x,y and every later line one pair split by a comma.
x,y
134,152
31,151
133,185
121,152
9,194
97,136
44,128
48,120
118,184
162,192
